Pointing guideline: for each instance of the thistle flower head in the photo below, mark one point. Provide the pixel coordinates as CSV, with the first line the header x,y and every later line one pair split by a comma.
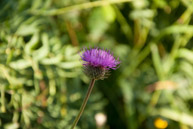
x,y
98,62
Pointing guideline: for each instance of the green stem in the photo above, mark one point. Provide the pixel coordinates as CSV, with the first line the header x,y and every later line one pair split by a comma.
x,y
79,7
84,103
3,109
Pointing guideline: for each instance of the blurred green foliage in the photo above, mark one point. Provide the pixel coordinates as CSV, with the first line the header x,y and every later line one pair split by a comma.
x,y
41,80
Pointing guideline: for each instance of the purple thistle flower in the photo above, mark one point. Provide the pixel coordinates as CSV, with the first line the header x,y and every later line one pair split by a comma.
x,y
98,62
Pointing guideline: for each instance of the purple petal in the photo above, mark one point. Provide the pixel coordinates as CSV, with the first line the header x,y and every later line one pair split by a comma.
x,y
99,58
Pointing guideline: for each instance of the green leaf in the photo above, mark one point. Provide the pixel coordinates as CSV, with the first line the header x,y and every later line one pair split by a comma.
x,y
70,65
12,126
109,13
20,64
180,117
29,48
186,54
43,51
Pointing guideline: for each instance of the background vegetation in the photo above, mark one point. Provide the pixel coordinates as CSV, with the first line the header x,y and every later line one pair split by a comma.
x,y
41,80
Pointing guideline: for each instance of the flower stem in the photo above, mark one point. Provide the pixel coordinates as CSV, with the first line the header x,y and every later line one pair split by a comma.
x,y
84,103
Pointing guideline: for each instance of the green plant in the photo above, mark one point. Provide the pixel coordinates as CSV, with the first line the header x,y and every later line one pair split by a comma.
x,y
41,78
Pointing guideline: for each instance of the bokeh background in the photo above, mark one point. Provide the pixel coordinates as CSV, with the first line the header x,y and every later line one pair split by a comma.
x,y
41,81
